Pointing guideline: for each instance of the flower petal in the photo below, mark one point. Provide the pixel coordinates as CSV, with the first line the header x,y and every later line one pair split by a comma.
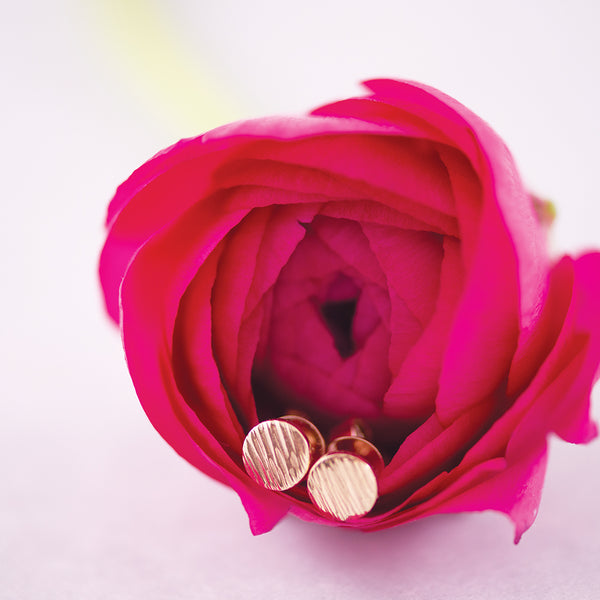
x,y
496,169
414,388
267,237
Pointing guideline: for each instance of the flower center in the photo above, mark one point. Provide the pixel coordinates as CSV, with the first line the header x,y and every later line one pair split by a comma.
x,y
338,317
337,309
324,344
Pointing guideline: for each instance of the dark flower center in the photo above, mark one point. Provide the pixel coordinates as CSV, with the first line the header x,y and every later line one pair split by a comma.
x,y
338,317
324,341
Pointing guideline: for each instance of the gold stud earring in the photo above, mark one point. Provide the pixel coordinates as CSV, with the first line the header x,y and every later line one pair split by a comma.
x,y
343,482
278,453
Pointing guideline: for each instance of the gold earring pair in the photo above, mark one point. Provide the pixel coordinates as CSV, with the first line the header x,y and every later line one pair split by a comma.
x,y
341,479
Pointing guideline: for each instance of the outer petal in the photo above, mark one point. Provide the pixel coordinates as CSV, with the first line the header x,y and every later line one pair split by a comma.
x,y
557,400
176,178
496,168
168,262
514,490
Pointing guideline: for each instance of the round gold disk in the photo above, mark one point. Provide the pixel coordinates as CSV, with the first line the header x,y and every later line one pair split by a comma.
x,y
276,454
343,485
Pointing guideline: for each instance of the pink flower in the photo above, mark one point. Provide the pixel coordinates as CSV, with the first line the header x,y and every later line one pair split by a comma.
x,y
378,258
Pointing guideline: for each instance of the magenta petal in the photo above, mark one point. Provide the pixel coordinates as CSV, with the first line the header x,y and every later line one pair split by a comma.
x,y
264,509
557,398
415,386
114,260
233,280
415,443
266,238
168,262
411,262
515,491
535,347
512,489
152,197
571,367
468,194
176,178
270,172
382,213
497,171
193,365
484,335
148,321
414,465
203,154
376,111
364,372
410,174
573,411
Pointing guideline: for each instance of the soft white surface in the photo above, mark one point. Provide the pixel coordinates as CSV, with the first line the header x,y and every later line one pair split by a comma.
x,y
93,504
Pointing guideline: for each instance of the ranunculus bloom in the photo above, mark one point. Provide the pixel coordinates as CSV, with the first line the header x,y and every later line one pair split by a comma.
x,y
379,258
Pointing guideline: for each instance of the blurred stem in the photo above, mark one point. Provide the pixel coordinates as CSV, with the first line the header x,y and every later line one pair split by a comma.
x,y
163,72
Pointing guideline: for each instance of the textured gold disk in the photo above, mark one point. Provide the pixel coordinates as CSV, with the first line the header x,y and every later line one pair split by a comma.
x,y
343,485
276,454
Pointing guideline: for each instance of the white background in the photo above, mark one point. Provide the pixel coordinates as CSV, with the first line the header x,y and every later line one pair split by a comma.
x,y
93,504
